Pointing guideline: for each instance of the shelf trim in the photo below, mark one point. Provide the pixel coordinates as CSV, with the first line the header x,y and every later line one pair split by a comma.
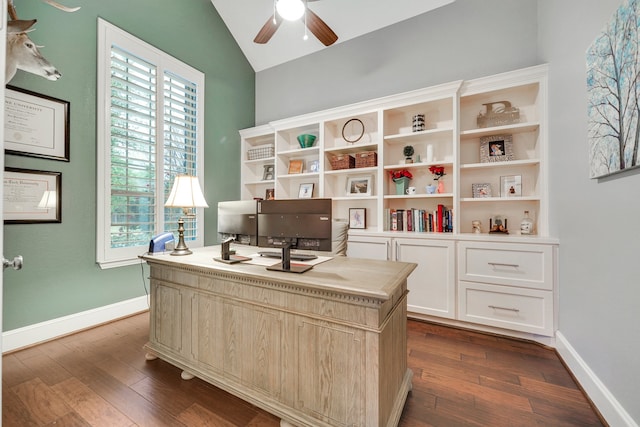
x,y
500,199
513,128
299,175
419,196
526,162
416,165
412,135
349,171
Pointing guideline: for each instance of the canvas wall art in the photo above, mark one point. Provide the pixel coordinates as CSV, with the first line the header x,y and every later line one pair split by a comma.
x,y
613,85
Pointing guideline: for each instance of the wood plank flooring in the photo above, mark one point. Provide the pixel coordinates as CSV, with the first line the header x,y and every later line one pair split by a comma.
x,y
100,377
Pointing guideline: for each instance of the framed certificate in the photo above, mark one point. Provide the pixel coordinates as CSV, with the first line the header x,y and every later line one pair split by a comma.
x,y
36,125
31,196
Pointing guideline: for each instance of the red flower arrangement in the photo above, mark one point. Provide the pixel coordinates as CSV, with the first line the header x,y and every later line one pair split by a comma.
x,y
396,175
437,171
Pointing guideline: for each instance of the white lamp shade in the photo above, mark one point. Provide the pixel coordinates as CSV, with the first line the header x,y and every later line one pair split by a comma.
x,y
49,200
290,9
186,193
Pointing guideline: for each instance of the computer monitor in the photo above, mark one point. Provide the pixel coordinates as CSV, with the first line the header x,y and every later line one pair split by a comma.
x,y
294,224
238,219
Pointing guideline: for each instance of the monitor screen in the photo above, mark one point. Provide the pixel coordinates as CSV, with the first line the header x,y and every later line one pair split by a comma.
x,y
294,224
238,219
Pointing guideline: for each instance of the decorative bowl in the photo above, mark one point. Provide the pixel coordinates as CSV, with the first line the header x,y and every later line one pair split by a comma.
x,y
306,140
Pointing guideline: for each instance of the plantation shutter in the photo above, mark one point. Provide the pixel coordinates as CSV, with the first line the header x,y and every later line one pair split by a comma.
x,y
133,150
150,115
180,142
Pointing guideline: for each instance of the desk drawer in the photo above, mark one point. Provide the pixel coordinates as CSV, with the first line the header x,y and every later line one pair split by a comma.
x,y
526,310
509,264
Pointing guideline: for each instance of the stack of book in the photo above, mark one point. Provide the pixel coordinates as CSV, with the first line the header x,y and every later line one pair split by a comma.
x,y
439,220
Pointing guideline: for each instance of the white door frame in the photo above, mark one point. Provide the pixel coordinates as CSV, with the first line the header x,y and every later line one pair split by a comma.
x,y
3,47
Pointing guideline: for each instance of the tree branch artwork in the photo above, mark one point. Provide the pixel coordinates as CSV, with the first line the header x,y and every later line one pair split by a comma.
x,y
613,85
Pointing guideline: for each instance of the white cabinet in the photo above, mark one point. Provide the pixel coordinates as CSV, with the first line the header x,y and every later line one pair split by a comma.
x,y
495,280
507,285
432,284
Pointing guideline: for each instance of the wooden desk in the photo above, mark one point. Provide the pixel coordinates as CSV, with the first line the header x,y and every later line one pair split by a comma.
x,y
323,348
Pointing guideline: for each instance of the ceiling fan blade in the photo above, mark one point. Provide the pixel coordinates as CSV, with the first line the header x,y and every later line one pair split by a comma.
x,y
268,29
320,29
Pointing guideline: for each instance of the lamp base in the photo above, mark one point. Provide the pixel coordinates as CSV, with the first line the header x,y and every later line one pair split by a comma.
x,y
178,252
181,248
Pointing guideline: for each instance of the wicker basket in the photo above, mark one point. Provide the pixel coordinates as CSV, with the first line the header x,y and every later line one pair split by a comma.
x,y
342,161
366,159
260,152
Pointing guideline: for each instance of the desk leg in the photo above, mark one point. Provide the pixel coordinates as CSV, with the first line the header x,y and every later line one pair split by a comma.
x,y
186,376
150,356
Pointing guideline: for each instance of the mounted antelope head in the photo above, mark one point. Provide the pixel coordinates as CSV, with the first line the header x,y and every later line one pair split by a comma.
x,y
22,52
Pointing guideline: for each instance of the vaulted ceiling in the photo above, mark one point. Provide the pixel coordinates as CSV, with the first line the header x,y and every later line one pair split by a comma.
x,y
347,18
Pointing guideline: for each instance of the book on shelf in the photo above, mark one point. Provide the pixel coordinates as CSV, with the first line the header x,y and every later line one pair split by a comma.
x,y
438,220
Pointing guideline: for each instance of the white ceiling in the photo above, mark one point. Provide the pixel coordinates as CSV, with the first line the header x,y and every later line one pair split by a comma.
x,y
347,18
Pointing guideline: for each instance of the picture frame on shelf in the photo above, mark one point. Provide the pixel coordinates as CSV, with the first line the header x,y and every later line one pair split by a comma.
x,y
268,174
496,148
305,191
357,218
296,166
511,186
314,166
270,194
481,190
32,196
359,185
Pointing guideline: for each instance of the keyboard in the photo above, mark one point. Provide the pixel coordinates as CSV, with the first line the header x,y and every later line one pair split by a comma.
x,y
294,256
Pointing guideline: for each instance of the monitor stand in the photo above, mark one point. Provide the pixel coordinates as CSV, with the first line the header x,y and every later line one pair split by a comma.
x,y
227,255
286,266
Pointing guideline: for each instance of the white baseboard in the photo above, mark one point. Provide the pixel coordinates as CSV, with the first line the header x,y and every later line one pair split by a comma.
x,y
601,397
45,331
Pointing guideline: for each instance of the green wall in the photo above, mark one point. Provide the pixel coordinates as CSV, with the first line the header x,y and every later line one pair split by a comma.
x,y
60,276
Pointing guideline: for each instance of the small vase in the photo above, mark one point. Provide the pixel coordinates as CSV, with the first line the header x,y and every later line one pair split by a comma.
x,y
401,185
440,187
431,189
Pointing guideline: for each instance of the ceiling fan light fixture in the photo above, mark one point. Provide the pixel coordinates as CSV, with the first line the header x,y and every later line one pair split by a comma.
x,y
290,10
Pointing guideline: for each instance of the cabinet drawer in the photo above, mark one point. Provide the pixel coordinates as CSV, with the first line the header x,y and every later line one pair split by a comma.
x,y
526,310
510,264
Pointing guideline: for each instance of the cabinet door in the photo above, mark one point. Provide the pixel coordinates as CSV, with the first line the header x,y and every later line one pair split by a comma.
x,y
369,247
432,284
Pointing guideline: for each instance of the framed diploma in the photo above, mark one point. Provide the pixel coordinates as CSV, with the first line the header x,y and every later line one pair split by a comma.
x,y
31,196
36,125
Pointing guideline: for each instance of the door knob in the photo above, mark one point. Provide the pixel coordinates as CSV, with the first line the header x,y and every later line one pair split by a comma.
x,y
16,263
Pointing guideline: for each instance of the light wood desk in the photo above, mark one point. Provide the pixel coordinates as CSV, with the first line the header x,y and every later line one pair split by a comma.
x,y
323,348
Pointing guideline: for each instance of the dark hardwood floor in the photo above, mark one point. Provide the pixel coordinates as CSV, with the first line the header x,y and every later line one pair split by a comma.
x,y
100,377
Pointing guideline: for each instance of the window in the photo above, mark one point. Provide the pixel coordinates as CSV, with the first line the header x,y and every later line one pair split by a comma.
x,y
150,129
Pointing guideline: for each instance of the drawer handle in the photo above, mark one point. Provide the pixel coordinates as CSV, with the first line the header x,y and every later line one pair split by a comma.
x,y
499,264
495,307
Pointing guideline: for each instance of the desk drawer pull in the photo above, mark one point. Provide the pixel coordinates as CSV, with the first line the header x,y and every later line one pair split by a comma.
x,y
495,307
499,264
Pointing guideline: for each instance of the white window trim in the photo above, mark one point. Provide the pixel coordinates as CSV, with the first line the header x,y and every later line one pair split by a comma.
x,y
108,34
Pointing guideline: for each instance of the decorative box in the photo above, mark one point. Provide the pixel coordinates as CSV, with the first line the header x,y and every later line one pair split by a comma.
x,y
366,159
342,161
498,113
260,152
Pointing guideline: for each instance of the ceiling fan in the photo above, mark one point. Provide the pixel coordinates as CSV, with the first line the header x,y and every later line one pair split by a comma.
x,y
292,10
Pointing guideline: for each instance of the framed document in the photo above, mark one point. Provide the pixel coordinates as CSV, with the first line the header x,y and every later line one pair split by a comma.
x,y
31,196
36,125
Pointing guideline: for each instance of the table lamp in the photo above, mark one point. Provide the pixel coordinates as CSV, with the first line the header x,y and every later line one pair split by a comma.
x,y
185,194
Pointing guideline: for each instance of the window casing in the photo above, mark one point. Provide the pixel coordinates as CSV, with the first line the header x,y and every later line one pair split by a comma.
x,y
150,129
